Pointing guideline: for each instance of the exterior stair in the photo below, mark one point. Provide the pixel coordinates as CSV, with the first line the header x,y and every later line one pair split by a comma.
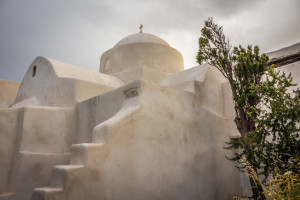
x,y
7,196
48,193
62,173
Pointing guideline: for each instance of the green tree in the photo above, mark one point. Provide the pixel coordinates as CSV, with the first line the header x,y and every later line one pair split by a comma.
x,y
275,140
263,108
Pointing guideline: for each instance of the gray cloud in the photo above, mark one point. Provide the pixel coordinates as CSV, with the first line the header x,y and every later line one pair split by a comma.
x,y
79,31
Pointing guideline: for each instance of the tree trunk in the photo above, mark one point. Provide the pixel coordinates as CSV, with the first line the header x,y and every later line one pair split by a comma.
x,y
256,187
257,190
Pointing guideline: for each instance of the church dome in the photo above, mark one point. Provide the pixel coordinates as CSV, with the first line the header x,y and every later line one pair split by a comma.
x,y
142,38
138,51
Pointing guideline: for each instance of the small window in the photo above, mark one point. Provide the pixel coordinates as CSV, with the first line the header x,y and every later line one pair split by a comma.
x,y
33,71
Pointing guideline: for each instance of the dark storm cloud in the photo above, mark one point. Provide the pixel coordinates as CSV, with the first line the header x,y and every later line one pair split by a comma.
x,y
79,31
271,25
226,9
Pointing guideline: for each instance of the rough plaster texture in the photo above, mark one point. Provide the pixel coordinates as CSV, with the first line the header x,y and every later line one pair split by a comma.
x,y
8,92
144,130
204,79
8,134
48,129
160,161
33,141
96,110
34,170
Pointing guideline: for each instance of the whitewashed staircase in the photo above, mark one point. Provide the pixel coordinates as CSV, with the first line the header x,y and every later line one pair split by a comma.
x,y
61,173
81,153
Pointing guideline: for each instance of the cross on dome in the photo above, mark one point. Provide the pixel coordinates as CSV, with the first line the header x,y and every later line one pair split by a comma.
x,y
141,28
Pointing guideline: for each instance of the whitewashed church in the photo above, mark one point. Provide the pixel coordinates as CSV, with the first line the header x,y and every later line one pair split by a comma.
x,y
142,128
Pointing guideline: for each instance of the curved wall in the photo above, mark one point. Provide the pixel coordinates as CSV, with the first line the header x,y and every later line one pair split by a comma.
x,y
54,83
130,56
41,87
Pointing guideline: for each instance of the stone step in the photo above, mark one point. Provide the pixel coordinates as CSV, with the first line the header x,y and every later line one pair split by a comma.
x,y
79,152
79,156
7,196
61,173
48,193
55,191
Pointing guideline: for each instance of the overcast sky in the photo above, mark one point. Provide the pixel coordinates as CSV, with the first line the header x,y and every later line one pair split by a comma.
x,y
79,31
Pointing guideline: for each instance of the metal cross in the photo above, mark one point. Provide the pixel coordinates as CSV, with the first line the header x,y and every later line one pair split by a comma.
x,y
141,28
